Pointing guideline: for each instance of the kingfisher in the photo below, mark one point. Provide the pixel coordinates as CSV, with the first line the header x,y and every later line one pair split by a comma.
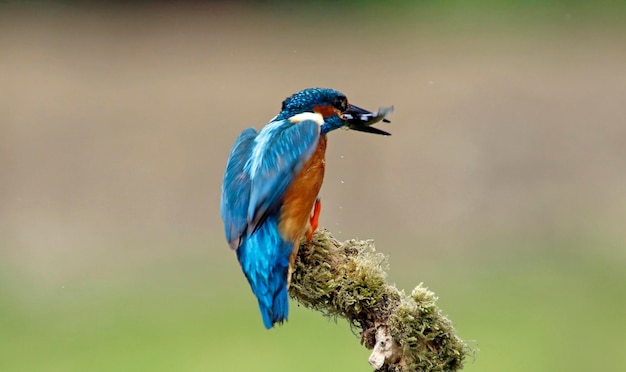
x,y
270,190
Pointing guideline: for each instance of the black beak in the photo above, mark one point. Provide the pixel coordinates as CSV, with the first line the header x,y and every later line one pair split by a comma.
x,y
359,119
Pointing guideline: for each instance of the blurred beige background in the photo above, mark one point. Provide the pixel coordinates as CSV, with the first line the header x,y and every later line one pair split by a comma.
x,y
509,136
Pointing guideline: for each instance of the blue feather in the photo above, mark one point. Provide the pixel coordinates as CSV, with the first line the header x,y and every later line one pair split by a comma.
x,y
264,259
280,150
236,189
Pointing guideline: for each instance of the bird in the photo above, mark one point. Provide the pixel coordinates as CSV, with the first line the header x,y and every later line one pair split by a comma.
x,y
270,189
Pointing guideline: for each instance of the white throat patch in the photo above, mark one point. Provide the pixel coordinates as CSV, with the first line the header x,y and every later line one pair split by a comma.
x,y
314,116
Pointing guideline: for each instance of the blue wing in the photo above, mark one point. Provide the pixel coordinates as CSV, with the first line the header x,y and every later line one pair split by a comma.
x,y
236,189
260,169
280,150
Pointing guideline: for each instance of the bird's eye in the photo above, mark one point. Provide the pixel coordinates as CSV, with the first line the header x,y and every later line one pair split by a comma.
x,y
340,103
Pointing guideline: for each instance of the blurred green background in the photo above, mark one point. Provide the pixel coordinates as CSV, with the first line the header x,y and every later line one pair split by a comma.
x,y
503,187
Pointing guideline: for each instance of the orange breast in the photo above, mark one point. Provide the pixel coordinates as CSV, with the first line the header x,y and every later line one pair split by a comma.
x,y
300,196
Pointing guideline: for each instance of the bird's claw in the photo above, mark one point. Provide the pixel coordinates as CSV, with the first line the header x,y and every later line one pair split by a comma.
x,y
314,219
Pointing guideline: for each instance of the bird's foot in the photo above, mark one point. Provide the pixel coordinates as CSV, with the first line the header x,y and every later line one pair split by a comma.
x,y
315,218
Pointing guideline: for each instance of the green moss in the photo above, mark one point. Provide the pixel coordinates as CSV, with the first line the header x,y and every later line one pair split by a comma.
x,y
427,337
348,280
345,280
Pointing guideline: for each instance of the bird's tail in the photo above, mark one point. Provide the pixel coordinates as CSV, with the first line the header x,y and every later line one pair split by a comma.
x,y
264,259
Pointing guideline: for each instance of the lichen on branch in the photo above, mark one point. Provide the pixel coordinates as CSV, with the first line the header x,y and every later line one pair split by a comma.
x,y
348,280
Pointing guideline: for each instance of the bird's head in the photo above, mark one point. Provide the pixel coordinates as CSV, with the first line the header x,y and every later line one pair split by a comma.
x,y
333,106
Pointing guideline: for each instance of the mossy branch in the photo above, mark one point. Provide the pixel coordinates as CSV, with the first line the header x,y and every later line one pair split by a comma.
x,y
406,333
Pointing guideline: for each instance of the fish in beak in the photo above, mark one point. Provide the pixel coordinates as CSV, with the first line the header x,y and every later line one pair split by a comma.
x,y
360,119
